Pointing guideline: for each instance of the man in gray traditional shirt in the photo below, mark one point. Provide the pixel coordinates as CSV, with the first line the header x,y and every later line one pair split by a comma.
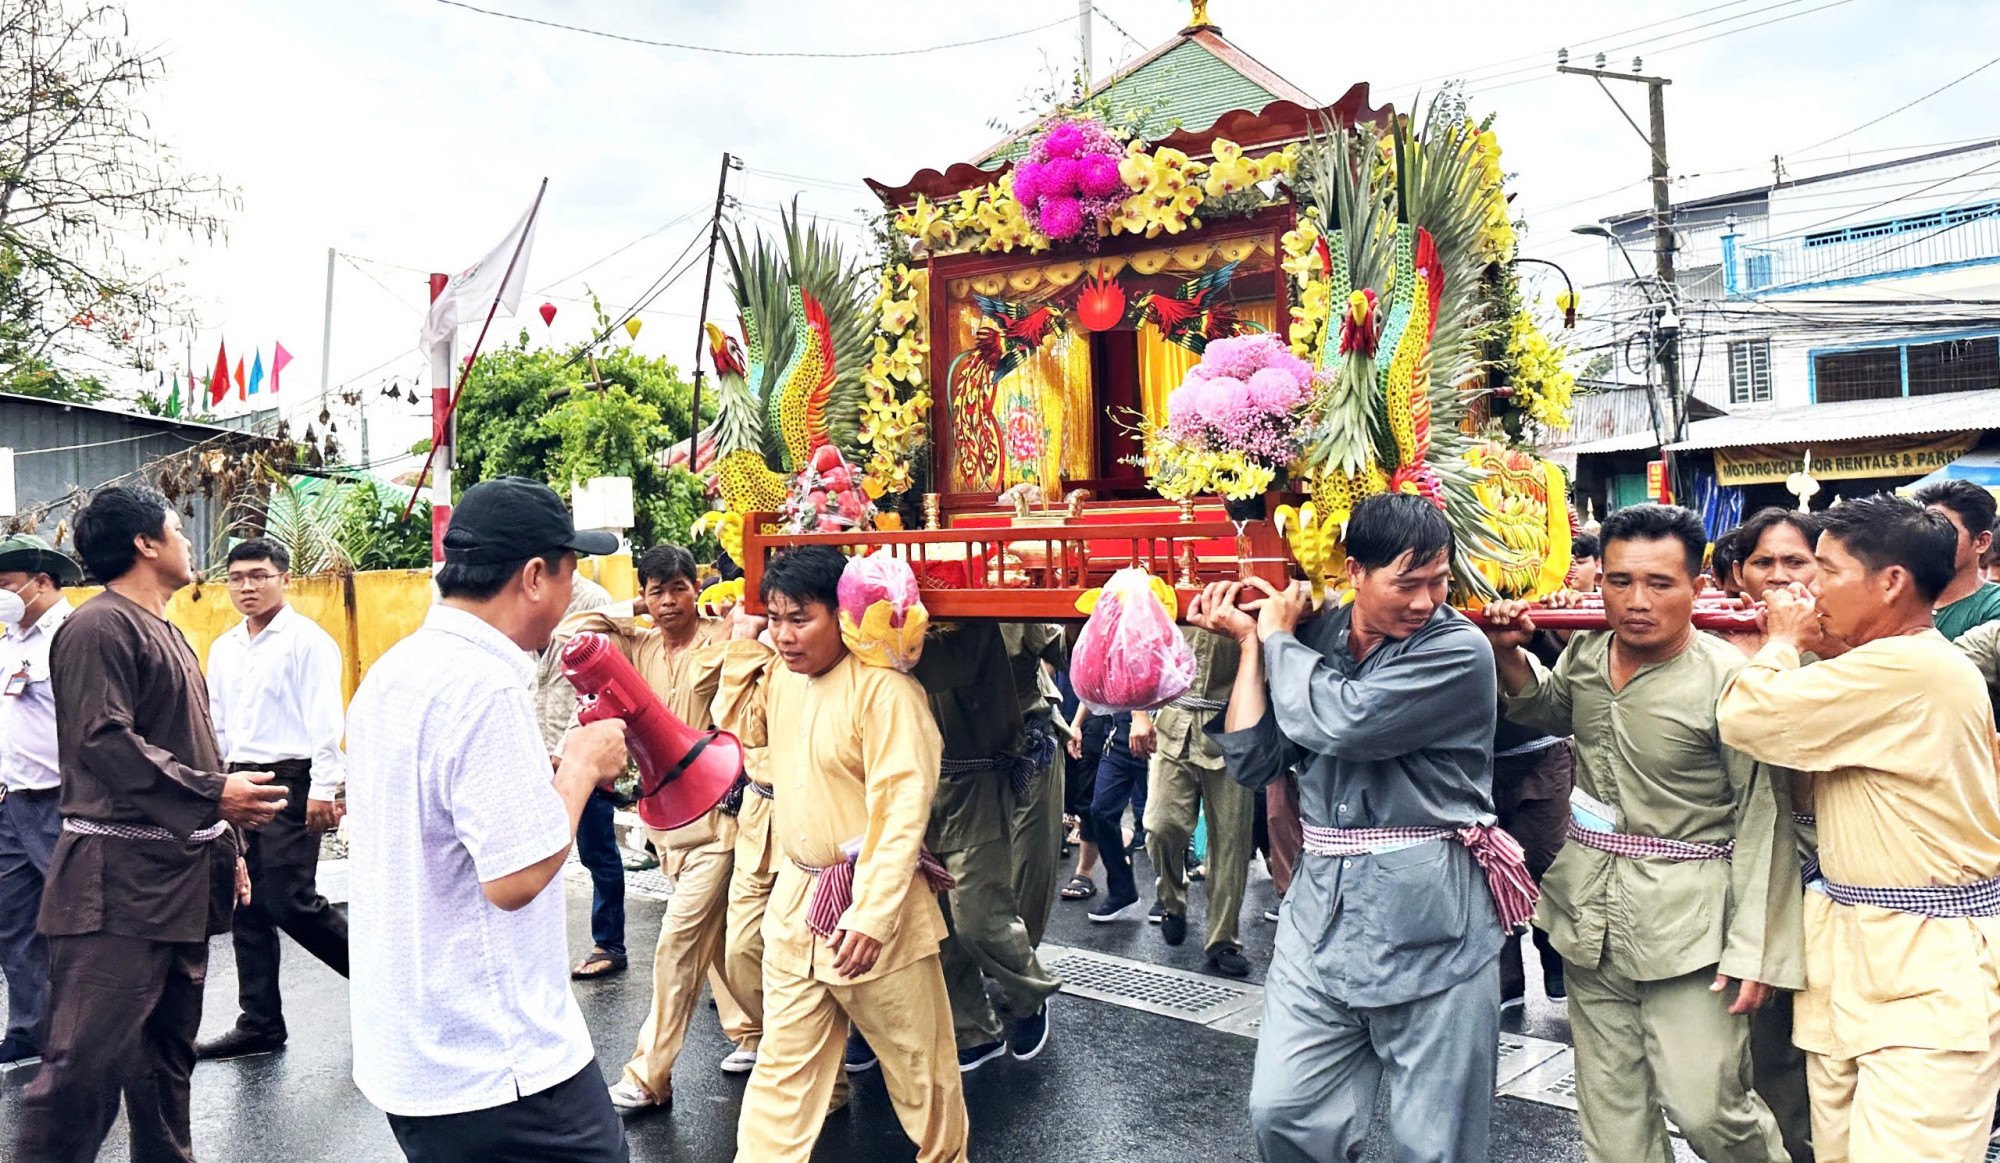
x,y
1387,958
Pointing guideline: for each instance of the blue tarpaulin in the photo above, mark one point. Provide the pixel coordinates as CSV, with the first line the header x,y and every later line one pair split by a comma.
x,y
1981,466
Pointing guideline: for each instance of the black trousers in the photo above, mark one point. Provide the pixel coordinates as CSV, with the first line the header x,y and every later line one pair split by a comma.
x,y
572,1121
284,896
122,1016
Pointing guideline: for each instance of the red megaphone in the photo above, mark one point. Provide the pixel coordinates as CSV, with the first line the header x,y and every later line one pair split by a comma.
x,y
683,773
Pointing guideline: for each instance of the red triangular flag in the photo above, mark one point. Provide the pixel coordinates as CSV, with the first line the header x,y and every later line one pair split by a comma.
x,y
241,394
218,384
279,358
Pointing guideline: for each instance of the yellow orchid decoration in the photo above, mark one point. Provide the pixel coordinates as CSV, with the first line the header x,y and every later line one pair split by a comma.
x,y
923,222
1542,381
1086,603
877,641
728,593
728,529
1315,541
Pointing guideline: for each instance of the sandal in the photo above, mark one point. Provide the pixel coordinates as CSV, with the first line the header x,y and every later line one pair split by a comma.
x,y
1079,888
598,964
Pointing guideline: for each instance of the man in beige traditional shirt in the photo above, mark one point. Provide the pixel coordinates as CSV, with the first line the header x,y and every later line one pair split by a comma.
x,y
1679,880
1900,1015
697,858
853,927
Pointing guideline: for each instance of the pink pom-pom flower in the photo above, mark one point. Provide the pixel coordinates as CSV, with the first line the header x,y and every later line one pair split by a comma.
x,y
1274,390
1062,217
1065,141
1219,398
1027,183
1097,176
1058,178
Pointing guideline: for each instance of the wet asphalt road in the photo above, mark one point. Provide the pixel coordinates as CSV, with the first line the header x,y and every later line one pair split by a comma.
x,y
1114,1083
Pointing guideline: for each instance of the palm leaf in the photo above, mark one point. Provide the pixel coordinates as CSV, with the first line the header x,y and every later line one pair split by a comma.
x,y
307,524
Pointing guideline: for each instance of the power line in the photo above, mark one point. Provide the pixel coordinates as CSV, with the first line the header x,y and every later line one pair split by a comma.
x,y
1137,43
737,52
1906,105
594,264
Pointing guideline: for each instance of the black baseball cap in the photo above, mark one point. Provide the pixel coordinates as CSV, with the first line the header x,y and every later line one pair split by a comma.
x,y
509,519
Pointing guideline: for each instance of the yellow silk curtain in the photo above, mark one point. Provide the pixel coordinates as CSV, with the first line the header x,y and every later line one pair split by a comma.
x,y
1163,365
1057,378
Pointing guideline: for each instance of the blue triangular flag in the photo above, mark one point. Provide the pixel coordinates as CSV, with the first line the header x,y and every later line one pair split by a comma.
x,y
257,373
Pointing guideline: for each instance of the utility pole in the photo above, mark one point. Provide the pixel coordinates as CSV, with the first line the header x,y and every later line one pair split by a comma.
x,y
714,238
1667,349
1083,40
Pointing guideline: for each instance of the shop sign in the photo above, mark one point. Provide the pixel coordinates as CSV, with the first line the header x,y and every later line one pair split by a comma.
x,y
1889,457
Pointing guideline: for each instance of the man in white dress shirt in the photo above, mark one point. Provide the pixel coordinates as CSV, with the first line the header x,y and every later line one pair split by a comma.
x,y
465,1030
274,687
32,575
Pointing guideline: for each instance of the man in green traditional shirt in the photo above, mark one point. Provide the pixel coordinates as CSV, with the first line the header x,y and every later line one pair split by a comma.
x,y
1970,600
1033,647
1679,880
984,773
1187,775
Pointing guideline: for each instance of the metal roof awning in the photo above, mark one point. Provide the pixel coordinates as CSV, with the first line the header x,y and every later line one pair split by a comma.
x,y
1628,442
1846,420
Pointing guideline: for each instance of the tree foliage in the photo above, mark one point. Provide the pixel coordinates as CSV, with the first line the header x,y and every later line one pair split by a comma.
x,y
82,178
525,413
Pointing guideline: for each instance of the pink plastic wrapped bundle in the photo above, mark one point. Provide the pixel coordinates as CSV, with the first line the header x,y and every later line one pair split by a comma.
x,y
882,614
1131,656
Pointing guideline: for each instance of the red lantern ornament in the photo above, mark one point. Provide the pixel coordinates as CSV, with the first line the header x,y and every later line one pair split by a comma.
x,y
1100,304
548,311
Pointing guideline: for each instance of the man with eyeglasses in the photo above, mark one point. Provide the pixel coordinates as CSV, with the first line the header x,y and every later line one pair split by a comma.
x,y
274,689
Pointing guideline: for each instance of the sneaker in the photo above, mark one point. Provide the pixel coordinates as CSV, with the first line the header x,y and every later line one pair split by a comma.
x,y
1512,1003
1552,983
18,1050
1030,1034
1156,914
1229,961
1271,914
630,1097
972,1059
1112,909
1138,843
859,1057
238,1043
740,1061
1173,928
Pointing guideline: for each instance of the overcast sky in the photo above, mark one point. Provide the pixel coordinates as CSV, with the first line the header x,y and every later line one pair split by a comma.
x,y
409,134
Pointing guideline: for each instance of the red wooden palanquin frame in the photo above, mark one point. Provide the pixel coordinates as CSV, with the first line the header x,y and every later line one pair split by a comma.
x,y
963,570
1271,221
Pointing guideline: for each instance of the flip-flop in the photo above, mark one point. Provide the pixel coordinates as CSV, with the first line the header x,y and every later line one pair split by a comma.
x,y
598,964
1079,888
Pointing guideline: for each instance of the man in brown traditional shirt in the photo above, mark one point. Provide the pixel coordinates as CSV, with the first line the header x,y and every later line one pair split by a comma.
x,y
147,868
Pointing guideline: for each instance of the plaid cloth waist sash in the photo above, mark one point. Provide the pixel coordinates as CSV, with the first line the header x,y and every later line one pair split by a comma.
x,y
142,831
1636,847
1979,899
1499,856
1040,737
763,789
1809,866
1199,706
833,889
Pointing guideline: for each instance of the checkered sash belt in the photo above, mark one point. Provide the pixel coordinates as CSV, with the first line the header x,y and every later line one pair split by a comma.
x,y
1636,847
1808,866
1499,855
1019,769
763,789
142,831
1980,899
833,889
1199,706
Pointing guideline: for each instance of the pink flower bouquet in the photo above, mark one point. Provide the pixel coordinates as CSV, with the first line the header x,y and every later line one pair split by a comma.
x,y
1068,185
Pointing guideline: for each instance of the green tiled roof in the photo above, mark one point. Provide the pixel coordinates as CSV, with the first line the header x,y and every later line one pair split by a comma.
x,y
1186,87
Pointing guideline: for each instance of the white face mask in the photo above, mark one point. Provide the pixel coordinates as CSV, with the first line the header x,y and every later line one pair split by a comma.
x,y
12,608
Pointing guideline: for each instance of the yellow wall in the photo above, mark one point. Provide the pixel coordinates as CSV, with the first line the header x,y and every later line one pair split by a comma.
x,y
366,612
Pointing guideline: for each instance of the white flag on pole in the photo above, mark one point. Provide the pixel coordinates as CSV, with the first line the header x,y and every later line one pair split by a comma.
x,y
471,292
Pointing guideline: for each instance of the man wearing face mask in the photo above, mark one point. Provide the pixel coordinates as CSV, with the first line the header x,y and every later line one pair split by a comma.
x,y
32,575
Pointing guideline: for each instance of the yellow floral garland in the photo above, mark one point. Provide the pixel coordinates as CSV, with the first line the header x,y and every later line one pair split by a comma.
x,y
1541,379
895,415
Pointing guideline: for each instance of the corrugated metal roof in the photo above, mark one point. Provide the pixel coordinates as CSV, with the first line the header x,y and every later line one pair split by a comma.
x,y
1628,442
1187,85
1848,420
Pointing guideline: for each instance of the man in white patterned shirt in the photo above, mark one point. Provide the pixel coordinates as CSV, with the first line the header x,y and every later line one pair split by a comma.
x,y
465,1030
274,687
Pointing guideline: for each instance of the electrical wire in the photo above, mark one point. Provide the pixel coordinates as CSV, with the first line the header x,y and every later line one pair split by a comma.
x,y
1136,42
1905,105
737,52
676,220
